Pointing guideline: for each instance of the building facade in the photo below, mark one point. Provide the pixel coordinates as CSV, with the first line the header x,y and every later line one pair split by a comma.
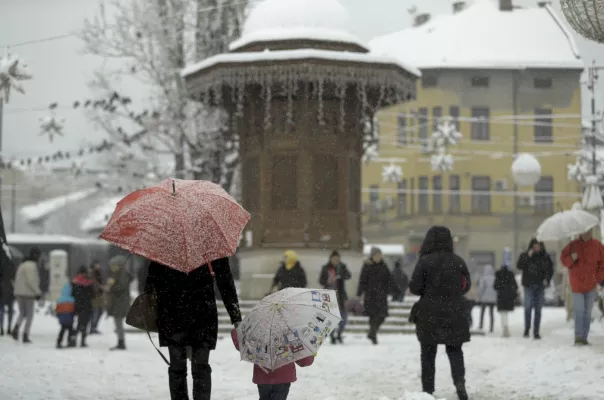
x,y
519,93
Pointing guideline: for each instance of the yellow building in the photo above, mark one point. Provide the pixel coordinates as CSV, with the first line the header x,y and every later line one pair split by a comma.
x,y
510,80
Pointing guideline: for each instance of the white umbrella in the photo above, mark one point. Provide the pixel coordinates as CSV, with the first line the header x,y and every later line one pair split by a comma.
x,y
564,224
288,326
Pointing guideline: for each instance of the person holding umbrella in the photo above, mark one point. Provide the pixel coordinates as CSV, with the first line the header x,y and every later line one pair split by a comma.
x,y
584,258
187,229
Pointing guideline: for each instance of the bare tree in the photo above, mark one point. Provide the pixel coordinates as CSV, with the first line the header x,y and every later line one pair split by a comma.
x,y
157,39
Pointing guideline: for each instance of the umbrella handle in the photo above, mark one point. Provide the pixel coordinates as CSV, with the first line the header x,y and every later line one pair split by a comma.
x,y
173,188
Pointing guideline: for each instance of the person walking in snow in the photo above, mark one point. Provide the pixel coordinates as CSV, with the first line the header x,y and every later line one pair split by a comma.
x,y
537,272
27,291
375,283
275,385
290,273
83,292
507,291
333,276
441,279
65,312
98,299
187,320
487,296
401,282
118,297
7,295
584,258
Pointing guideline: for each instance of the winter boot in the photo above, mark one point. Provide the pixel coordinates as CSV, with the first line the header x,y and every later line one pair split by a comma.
x,y
121,345
15,333
340,339
333,339
2,330
83,343
26,338
202,381
537,336
462,394
526,333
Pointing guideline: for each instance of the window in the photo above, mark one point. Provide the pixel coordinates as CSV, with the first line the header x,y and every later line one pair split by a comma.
x,y
284,189
402,129
480,123
454,113
402,197
481,202
543,125
374,194
325,174
542,83
429,81
454,198
437,199
480,81
354,185
422,120
544,199
422,197
412,194
437,114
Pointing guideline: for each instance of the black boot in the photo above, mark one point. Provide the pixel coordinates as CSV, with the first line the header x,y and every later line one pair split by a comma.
x,y
15,333
26,338
83,343
340,339
537,336
526,333
333,339
462,394
202,381
121,345
178,385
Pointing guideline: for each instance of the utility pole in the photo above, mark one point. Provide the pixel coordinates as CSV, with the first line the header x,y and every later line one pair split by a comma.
x,y
515,83
13,203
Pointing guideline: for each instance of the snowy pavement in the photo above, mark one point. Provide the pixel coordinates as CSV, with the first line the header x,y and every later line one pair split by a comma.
x,y
497,369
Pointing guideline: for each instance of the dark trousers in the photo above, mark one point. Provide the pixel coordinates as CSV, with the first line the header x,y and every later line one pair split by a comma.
x,y
83,321
274,392
341,326
533,299
428,361
491,308
65,329
374,325
10,312
200,370
97,313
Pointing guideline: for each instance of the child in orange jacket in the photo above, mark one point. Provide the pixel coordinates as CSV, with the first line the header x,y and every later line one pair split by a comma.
x,y
274,385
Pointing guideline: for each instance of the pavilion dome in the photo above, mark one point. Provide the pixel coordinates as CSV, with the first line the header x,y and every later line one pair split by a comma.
x,y
283,20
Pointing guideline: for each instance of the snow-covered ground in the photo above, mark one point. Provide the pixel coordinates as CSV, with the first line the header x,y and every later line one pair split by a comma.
x,y
497,369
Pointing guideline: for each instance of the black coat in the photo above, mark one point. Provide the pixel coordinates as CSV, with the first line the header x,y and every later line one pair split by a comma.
x,y
340,283
375,283
186,305
7,283
83,291
537,269
401,280
294,278
506,288
441,279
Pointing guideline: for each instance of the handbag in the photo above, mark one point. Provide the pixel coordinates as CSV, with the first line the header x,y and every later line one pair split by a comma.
x,y
414,311
143,315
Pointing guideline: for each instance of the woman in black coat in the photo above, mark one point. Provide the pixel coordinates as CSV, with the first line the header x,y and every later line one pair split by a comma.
x,y
188,318
442,279
7,294
507,291
375,283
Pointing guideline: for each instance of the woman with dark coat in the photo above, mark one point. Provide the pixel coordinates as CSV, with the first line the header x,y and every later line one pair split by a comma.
x,y
401,282
507,292
290,273
375,283
187,320
442,279
82,290
333,276
7,295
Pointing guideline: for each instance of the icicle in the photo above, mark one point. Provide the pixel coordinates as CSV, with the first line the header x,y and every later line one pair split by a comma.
x,y
240,93
342,93
267,110
320,95
381,96
290,99
364,103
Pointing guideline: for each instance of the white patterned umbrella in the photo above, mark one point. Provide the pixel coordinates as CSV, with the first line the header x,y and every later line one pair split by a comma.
x,y
288,326
565,224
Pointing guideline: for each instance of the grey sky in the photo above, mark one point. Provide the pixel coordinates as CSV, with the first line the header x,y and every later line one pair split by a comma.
x,y
61,72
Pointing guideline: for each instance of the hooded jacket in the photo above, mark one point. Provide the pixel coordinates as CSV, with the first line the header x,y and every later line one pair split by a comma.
x,y
587,271
65,306
486,286
538,268
83,292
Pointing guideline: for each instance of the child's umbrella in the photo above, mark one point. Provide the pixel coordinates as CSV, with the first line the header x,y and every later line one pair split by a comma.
x,y
288,326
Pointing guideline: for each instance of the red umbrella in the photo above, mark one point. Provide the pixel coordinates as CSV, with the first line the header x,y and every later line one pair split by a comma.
x,y
179,223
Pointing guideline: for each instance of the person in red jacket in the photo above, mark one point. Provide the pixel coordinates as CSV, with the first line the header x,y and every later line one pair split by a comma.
x,y
274,385
584,258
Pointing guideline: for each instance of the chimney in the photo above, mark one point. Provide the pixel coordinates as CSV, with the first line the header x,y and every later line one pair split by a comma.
x,y
506,5
458,6
421,19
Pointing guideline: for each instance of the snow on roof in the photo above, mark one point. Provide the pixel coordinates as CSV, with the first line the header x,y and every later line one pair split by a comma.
x,y
273,20
303,54
38,211
98,218
482,36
